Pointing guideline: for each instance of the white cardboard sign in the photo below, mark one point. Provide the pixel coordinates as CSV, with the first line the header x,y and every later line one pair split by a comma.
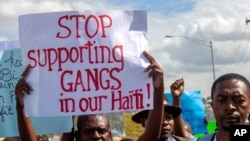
x,y
85,62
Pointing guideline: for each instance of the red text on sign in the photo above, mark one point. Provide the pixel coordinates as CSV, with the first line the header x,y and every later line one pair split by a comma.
x,y
88,53
132,101
85,103
90,80
101,23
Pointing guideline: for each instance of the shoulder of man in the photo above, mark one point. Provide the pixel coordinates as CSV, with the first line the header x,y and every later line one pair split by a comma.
x,y
177,138
207,137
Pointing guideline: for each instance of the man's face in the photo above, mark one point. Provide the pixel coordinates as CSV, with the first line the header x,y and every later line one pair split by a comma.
x,y
230,103
94,128
167,125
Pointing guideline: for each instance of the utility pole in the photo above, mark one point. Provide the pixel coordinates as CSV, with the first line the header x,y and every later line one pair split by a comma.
x,y
247,21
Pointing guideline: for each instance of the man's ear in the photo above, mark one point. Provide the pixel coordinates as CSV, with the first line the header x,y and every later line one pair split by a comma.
x,y
248,109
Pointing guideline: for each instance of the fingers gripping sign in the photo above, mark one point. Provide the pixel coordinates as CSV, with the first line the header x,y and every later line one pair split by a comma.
x,y
156,71
22,87
25,73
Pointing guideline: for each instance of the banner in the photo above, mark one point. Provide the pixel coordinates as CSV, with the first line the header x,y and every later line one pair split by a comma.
x,y
193,110
11,67
86,62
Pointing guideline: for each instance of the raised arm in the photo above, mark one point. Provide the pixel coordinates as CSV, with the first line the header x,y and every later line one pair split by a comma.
x,y
177,89
155,116
25,128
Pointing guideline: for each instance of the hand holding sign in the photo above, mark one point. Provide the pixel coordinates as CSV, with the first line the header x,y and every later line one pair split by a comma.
x,y
25,127
154,117
156,71
22,87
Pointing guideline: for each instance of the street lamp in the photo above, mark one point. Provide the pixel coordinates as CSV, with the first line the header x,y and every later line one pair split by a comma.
x,y
247,21
201,42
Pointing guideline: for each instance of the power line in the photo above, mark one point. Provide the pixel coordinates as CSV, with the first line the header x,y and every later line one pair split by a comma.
x,y
234,58
245,60
243,53
247,57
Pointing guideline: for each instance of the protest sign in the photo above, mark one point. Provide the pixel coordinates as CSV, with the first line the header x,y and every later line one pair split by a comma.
x,y
193,110
11,67
86,62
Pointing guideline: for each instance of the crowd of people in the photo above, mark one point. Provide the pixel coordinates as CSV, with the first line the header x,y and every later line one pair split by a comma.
x,y
230,95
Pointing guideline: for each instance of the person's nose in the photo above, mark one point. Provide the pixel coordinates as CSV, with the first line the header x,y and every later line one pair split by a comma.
x,y
96,135
230,106
165,121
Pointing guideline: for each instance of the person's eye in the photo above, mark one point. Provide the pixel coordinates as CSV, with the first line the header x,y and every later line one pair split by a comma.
x,y
102,131
220,100
88,132
239,100
169,117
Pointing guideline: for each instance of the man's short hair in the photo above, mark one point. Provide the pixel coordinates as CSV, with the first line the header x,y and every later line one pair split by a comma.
x,y
82,118
230,76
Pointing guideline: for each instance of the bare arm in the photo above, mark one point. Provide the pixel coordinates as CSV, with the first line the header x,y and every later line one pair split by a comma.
x,y
155,116
25,128
177,89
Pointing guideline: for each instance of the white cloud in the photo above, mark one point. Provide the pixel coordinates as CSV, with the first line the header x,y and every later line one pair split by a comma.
x,y
218,21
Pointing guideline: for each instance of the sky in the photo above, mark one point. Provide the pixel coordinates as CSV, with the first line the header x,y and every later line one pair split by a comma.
x,y
223,23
